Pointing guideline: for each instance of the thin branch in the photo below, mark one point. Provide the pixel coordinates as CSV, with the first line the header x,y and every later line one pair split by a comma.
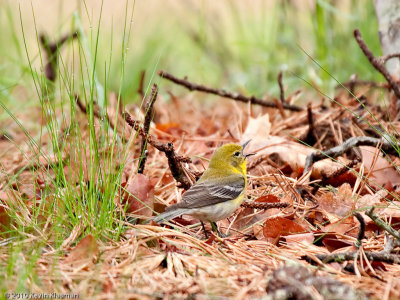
x,y
141,83
222,93
174,160
263,205
382,224
51,50
361,232
385,58
386,147
390,244
281,89
146,127
81,105
378,63
352,85
279,106
311,137
96,111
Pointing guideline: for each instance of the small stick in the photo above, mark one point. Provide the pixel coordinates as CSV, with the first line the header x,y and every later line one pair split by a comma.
x,y
141,83
51,50
96,112
361,233
80,104
174,160
146,127
385,58
352,84
390,244
346,146
222,93
281,89
279,105
264,206
378,221
378,63
311,136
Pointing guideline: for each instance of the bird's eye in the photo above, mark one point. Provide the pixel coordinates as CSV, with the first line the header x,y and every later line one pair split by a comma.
x,y
237,153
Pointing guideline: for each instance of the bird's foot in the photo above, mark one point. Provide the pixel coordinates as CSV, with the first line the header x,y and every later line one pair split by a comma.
x,y
215,228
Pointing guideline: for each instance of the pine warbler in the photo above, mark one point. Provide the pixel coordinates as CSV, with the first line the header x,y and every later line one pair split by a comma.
x,y
218,192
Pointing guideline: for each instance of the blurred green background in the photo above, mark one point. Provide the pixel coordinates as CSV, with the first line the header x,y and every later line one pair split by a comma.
x,y
237,45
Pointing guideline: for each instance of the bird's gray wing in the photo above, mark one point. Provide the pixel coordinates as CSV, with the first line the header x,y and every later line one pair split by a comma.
x,y
208,193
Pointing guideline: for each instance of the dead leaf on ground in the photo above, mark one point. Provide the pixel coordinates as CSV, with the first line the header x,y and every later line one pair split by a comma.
x,y
340,203
84,252
371,200
346,226
300,238
138,195
172,128
382,171
267,199
279,226
333,242
291,152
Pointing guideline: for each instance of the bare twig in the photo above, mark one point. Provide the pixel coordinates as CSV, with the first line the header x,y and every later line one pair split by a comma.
x,y
146,127
51,50
386,147
96,111
352,85
385,58
265,206
390,244
174,160
281,89
361,232
222,93
279,105
141,83
80,104
378,221
311,136
378,63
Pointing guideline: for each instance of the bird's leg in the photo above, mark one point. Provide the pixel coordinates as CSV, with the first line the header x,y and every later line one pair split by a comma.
x,y
215,228
205,232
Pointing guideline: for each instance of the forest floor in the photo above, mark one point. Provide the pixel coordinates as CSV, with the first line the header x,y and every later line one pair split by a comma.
x,y
318,219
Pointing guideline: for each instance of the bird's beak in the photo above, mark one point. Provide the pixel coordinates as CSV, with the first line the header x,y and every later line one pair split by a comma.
x,y
244,146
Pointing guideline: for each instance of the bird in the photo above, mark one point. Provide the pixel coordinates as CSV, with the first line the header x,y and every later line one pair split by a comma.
x,y
218,192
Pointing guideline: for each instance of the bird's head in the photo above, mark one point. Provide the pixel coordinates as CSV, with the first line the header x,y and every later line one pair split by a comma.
x,y
230,155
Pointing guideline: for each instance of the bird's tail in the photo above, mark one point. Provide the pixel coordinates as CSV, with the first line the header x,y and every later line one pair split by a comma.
x,y
170,214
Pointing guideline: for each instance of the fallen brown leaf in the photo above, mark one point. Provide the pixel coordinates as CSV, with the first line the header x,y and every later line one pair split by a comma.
x,y
279,226
84,252
138,196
